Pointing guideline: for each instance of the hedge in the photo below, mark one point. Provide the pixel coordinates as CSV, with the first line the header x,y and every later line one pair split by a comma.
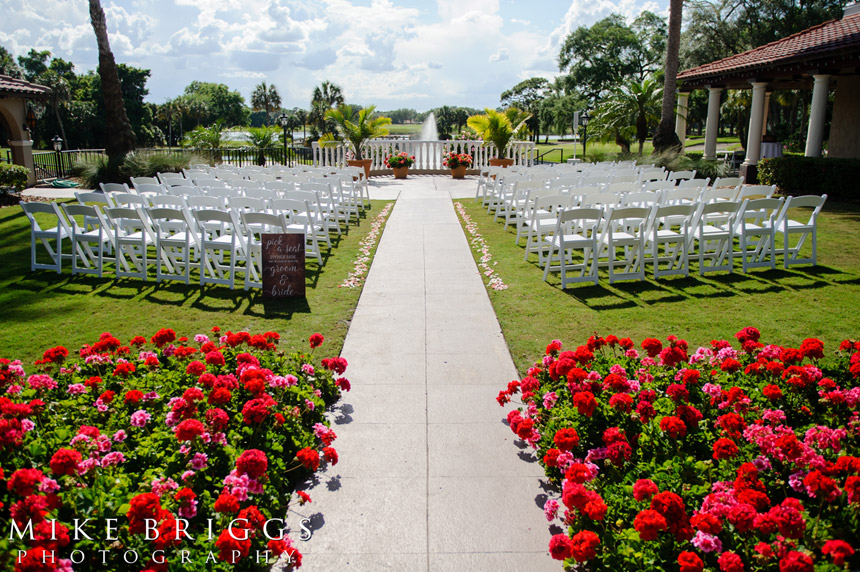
x,y
795,175
12,178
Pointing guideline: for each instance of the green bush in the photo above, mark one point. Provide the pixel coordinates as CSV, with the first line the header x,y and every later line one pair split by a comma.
x,y
100,170
674,161
12,178
796,175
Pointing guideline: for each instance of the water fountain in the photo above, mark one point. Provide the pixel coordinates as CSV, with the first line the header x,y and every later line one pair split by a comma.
x,y
428,129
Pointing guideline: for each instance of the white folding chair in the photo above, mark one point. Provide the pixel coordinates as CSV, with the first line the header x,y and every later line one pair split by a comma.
x,y
91,241
645,199
256,224
172,179
652,174
137,181
713,230
669,239
804,230
114,188
130,200
693,183
150,189
719,194
755,192
732,182
625,230
681,175
756,231
174,239
540,221
56,230
222,246
319,222
576,229
132,238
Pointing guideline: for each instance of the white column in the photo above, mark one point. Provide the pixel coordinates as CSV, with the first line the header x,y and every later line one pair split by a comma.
x,y
681,118
766,112
22,154
756,115
712,127
817,113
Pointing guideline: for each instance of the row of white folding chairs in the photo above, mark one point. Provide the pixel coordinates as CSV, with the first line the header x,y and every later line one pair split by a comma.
x,y
666,237
219,243
325,215
525,205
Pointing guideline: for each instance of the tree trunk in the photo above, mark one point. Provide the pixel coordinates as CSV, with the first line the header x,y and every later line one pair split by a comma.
x,y
665,137
119,137
622,142
60,123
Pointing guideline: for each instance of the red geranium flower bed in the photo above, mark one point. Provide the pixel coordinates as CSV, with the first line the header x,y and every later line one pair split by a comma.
x,y
738,456
162,454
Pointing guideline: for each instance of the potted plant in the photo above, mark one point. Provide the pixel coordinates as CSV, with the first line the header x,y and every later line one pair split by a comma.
x,y
458,163
356,127
499,127
400,163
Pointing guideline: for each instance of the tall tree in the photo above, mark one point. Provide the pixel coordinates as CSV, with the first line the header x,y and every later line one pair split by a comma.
x,y
59,96
119,136
7,64
634,107
265,98
665,136
220,103
528,95
326,96
34,64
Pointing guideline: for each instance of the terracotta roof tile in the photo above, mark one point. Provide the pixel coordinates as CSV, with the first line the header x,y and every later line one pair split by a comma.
x,y
13,86
830,37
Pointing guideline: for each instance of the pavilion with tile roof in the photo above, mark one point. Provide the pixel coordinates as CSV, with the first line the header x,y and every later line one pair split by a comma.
x,y
823,57
14,94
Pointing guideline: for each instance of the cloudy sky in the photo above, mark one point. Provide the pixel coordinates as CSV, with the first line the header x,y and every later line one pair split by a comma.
x,y
392,53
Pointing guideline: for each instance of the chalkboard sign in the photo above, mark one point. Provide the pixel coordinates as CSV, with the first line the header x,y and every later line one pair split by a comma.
x,y
283,265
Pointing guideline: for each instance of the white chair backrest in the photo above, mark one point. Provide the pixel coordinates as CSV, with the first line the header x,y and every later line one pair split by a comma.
x,y
246,204
681,175
728,182
149,188
103,199
652,174
171,178
600,199
694,183
678,196
623,187
114,188
643,199
719,194
130,200
137,181
205,202
208,182
185,191
658,185
169,201
752,191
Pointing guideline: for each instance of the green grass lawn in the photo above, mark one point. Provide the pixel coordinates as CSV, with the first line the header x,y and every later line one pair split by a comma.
x,y
786,305
609,150
43,309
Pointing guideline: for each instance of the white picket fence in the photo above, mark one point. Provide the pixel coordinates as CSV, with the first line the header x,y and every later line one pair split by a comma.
x,y
428,154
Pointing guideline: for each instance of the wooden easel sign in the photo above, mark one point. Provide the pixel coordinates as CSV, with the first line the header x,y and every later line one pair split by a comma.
x,y
283,265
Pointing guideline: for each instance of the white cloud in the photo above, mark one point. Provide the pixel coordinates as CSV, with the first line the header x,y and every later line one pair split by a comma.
x,y
501,55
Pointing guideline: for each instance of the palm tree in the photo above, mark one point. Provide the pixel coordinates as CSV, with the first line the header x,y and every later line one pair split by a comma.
x,y
302,116
461,116
265,98
665,136
262,139
358,126
119,136
326,96
633,100
499,127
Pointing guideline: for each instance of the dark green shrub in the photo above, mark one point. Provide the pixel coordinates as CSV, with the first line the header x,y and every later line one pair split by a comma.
x,y
99,170
674,161
12,178
796,175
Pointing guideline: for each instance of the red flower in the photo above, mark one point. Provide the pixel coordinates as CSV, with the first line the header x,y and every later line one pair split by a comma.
x,y
132,397
584,545
310,458
671,506
195,368
724,449
226,503
560,547
648,523
644,489
524,430
574,495
653,346
232,549
336,364
256,411
189,429
731,365
65,462
252,462
123,369
812,348
566,439
219,396
316,340
303,497
690,562
330,455
619,452
577,472
622,402
706,522
217,419
672,356
142,507
215,358
748,334
678,392
742,516
796,562
585,403
730,562
37,559
23,482
595,508
673,426
838,550
163,336
646,411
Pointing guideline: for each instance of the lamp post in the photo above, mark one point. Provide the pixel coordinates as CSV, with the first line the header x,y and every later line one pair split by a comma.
x,y
283,121
584,120
58,146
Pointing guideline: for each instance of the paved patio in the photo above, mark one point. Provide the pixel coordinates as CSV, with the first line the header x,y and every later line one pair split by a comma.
x,y
429,478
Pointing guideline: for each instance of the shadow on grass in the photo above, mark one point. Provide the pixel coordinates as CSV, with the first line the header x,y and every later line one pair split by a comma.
x,y
627,294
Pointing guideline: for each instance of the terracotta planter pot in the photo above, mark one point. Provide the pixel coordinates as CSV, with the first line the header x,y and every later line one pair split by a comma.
x,y
501,162
401,172
458,172
361,163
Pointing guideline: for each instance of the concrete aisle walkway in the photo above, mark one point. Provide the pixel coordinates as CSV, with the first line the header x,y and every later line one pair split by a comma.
x,y
429,478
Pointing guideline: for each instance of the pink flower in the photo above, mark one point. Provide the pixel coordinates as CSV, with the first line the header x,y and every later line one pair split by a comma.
x,y
120,436
707,542
550,509
140,418
76,389
114,458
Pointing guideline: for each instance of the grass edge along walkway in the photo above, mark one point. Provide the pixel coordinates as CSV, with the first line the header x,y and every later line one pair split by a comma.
x,y
786,305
